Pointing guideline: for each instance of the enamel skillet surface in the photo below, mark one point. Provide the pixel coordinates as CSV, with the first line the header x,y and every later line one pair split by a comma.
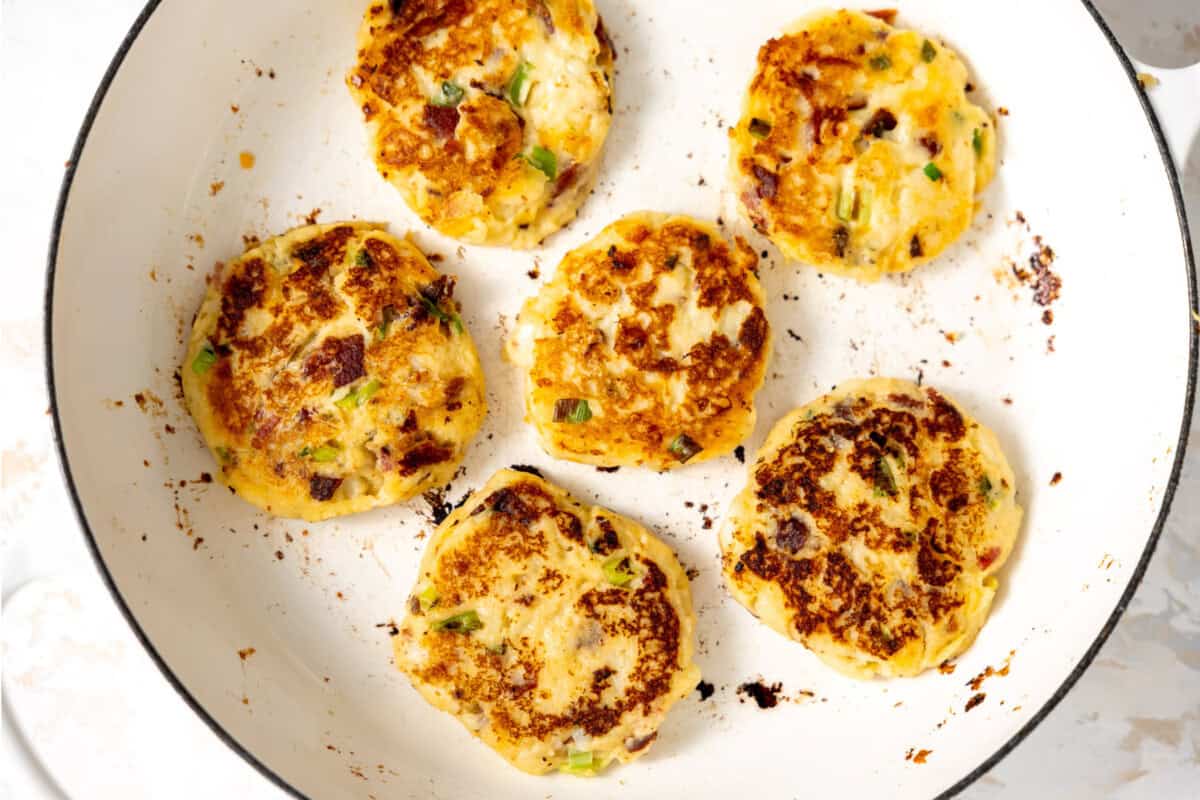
x,y
1101,395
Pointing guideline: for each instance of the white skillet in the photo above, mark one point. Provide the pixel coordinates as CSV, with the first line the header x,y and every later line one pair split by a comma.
x,y
318,707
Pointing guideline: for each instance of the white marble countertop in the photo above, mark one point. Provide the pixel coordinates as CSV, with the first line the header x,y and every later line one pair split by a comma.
x,y
86,713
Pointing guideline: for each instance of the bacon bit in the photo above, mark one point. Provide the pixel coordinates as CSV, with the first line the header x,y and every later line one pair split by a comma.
x,y
1056,479
880,123
603,37
340,359
442,120
914,247
768,182
888,15
633,745
988,556
931,144
425,453
566,179
841,239
322,487
538,9
974,701
234,108
947,668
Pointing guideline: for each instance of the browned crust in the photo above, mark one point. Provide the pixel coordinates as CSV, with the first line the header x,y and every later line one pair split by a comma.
x,y
824,589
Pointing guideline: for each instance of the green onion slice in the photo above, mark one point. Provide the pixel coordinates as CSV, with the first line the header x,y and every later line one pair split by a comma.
x,y
845,204
451,94
579,759
224,454
543,160
324,453
977,142
932,172
618,570
881,62
519,84
465,622
389,314
204,360
572,409
885,479
448,317
928,52
363,258
356,397
428,597
985,485
683,447
760,128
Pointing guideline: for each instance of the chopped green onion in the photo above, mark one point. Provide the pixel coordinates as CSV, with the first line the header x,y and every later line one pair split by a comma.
x,y
324,453
355,398
885,479
928,53
204,360
519,84
450,95
932,172
363,258
389,314
465,622
543,160
428,597
618,570
880,62
448,317
224,454
977,142
760,128
845,204
985,485
305,452
572,409
579,759
683,447
862,207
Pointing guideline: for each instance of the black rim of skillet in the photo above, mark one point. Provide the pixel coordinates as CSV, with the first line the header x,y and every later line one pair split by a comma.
x,y
987,764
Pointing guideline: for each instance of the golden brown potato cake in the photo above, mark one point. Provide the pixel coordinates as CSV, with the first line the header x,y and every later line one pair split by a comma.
x,y
329,372
858,151
646,347
488,116
872,528
560,634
